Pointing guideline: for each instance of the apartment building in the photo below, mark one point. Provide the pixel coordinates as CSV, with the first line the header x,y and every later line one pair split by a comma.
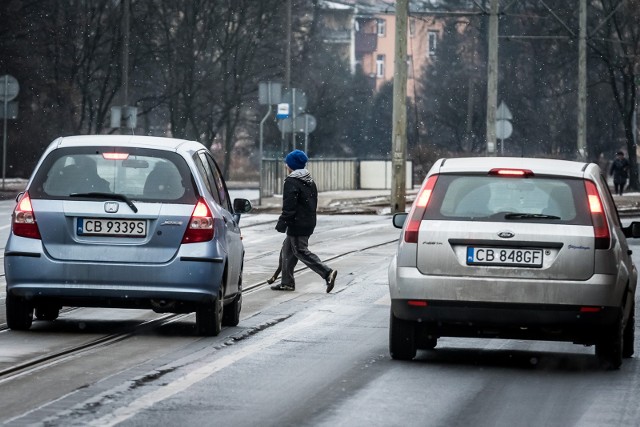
x,y
370,46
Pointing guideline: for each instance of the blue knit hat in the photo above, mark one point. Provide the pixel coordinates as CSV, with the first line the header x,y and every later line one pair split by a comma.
x,y
296,160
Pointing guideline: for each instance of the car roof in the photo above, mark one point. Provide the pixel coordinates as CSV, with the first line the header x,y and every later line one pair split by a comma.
x,y
141,141
538,166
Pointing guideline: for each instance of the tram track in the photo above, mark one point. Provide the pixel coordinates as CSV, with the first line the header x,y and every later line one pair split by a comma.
x,y
43,361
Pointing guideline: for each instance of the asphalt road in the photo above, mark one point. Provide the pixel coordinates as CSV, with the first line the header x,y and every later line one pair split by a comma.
x,y
303,358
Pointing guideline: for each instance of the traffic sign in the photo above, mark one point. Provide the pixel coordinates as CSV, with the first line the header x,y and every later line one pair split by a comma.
x,y
305,123
9,88
503,112
283,111
269,93
504,129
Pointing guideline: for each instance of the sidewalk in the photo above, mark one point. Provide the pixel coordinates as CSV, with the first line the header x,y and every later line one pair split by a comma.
x,y
376,202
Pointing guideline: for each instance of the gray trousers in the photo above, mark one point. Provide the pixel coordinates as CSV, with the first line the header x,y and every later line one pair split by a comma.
x,y
296,248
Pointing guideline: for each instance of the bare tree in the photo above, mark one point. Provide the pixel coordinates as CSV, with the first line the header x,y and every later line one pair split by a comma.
x,y
616,41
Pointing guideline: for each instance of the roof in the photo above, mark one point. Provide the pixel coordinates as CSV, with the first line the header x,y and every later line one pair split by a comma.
x,y
156,142
538,166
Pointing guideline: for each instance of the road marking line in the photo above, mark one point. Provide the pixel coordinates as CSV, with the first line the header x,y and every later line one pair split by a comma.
x,y
144,402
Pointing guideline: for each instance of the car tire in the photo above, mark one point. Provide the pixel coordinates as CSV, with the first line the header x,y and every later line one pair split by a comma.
x,y
402,338
628,340
231,315
609,348
209,317
19,313
47,313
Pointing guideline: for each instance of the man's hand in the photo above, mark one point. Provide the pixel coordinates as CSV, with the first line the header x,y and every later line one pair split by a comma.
x,y
281,227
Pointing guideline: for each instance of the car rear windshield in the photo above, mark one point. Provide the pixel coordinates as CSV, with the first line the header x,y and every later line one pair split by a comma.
x,y
140,174
490,198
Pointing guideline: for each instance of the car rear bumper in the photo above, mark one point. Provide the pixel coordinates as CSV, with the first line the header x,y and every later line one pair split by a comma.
x,y
179,282
505,320
598,290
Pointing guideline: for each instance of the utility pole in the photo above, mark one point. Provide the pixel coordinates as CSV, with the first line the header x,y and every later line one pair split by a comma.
x,y
399,131
492,79
287,59
125,54
582,82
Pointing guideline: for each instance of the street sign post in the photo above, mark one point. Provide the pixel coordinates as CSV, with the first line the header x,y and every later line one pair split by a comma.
x,y
504,129
8,92
269,93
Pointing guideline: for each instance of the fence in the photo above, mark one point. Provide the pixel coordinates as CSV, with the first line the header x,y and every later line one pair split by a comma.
x,y
334,175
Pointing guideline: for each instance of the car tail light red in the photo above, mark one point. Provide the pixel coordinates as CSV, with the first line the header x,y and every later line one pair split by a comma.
x,y
23,221
200,228
418,209
598,218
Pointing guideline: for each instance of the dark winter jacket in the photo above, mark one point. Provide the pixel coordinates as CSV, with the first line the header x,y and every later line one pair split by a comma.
x,y
619,169
299,204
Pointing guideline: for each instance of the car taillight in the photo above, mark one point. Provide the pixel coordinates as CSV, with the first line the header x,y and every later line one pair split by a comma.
x,y
23,221
115,156
598,218
418,209
508,172
200,228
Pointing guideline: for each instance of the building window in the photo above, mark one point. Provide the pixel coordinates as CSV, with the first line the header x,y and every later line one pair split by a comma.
x,y
380,66
381,27
412,27
433,41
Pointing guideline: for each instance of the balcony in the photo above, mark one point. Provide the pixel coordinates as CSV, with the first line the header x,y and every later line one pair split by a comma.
x,y
366,42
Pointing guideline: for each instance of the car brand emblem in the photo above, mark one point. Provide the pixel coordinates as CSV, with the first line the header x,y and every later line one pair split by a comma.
x,y
506,234
111,207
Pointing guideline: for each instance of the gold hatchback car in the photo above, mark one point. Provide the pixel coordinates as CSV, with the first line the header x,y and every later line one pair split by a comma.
x,y
518,248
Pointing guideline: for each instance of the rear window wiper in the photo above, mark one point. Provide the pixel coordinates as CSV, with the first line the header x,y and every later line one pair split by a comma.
x,y
107,196
514,215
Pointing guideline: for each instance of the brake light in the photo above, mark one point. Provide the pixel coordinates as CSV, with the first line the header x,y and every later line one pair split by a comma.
x,y
115,156
590,309
200,228
418,209
598,218
23,221
417,303
517,173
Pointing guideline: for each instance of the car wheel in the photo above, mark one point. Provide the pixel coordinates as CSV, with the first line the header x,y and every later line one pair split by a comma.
x,y
628,340
231,315
47,313
19,313
209,317
609,348
402,338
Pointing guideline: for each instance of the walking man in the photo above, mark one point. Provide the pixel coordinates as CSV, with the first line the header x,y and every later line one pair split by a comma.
x,y
619,169
298,220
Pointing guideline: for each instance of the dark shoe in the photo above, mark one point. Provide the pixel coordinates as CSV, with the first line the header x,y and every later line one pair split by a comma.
x,y
331,280
281,287
271,279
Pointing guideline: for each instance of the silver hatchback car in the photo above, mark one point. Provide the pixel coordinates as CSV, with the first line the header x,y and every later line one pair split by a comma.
x,y
127,222
516,248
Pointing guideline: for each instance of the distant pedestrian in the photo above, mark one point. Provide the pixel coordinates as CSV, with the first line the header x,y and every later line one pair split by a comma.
x,y
619,170
298,220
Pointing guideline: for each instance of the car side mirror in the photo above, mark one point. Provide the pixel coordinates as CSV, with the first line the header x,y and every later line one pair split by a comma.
x,y
241,206
399,219
632,230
